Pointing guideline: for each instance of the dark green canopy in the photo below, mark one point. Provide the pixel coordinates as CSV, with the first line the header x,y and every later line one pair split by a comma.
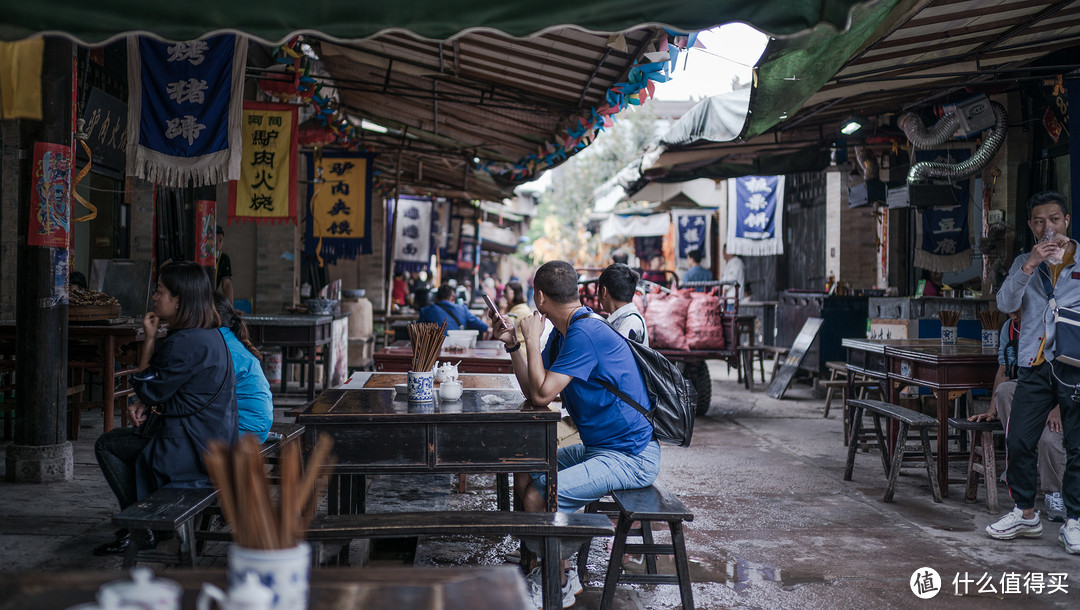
x,y
275,20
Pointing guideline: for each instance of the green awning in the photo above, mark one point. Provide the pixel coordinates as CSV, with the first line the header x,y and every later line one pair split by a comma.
x,y
795,68
276,20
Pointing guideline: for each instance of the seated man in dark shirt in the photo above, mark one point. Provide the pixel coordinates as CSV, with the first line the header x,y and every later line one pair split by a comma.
x,y
456,316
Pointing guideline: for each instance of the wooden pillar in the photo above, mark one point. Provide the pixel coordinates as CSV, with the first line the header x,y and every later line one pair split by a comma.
x,y
41,452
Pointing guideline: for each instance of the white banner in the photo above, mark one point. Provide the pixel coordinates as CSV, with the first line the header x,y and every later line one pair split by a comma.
x,y
412,233
615,228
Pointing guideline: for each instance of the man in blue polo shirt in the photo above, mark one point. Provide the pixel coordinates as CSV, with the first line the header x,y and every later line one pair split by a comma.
x,y
618,450
457,317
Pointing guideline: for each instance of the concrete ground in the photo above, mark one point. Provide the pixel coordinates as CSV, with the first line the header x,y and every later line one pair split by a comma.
x,y
775,524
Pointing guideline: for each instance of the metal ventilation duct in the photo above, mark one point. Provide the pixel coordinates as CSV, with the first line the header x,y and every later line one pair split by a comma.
x,y
948,124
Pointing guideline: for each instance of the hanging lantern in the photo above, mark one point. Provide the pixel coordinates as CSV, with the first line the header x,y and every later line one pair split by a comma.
x,y
314,134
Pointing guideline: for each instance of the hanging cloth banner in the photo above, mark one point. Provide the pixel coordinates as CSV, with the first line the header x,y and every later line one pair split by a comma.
x,y
412,234
206,232
755,215
339,208
50,196
943,239
441,220
266,190
185,101
692,231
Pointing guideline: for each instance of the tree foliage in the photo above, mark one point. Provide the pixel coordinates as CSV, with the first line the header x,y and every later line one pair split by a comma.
x,y
559,231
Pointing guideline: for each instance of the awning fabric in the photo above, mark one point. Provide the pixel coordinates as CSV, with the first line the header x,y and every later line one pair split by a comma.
x,y
615,228
276,20
719,118
811,159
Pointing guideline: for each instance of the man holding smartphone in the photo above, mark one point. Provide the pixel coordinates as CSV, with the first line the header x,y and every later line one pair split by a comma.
x,y
617,449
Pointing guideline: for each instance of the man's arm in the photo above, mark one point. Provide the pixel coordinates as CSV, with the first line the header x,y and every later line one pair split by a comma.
x,y
1010,296
226,288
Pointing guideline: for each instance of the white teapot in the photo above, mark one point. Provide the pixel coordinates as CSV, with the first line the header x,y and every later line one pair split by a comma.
x,y
249,595
445,372
145,591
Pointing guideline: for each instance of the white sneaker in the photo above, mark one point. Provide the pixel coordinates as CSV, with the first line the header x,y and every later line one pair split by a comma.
x,y
1055,507
534,584
1013,525
1069,537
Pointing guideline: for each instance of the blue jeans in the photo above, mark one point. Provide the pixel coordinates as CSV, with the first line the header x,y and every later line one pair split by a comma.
x,y
589,473
116,451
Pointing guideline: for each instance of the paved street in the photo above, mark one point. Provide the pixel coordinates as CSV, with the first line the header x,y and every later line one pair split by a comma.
x,y
775,525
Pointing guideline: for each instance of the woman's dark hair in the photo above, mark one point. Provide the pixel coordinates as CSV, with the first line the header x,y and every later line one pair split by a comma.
x,y
519,294
621,282
1046,197
558,281
188,282
232,320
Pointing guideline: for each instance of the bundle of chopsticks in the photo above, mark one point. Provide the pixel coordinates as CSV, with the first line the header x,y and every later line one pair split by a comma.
x,y
239,474
427,339
949,318
991,320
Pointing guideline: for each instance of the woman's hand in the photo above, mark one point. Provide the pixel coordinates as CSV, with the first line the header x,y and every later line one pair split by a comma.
x,y
137,413
150,323
533,326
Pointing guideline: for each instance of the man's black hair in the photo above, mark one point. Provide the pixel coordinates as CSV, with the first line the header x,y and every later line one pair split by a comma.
x,y
695,255
220,231
558,281
620,281
1046,197
445,293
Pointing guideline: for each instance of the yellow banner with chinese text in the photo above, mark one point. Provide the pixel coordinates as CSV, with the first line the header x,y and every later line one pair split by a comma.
x,y
266,190
339,204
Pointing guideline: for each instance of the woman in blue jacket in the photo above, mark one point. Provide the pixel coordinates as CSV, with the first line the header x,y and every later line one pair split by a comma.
x,y
254,402
186,381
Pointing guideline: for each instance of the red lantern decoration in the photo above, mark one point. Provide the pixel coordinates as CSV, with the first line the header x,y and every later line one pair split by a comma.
x,y
314,134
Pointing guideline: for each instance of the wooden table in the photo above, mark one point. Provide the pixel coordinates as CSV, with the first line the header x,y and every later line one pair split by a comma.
x,y
925,363
405,588
366,380
486,357
302,331
377,431
108,345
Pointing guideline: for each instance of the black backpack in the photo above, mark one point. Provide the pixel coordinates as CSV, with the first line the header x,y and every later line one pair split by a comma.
x,y
673,396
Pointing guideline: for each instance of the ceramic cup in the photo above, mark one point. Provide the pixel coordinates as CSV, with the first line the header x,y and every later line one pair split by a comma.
x,y
145,591
948,335
284,571
450,390
421,386
990,338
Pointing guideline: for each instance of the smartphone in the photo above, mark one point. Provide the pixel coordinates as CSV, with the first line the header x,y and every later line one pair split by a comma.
x,y
494,311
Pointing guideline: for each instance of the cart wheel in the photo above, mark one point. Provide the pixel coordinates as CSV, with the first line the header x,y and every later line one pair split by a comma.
x,y
698,374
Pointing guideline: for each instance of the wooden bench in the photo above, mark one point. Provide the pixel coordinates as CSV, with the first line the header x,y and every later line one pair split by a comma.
x,y
175,509
646,505
551,528
981,459
905,419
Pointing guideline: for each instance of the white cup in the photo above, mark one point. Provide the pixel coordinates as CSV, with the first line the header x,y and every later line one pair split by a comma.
x,y
284,571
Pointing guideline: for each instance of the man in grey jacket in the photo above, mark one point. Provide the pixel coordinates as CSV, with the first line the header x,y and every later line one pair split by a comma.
x,y
1038,283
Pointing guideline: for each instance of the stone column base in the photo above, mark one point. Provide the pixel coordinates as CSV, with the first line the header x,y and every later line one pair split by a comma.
x,y
39,463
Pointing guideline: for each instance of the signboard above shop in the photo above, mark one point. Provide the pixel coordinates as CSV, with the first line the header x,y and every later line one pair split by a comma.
x,y
106,128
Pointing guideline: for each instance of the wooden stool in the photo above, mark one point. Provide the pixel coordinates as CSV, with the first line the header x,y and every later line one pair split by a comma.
x,y
648,504
837,379
981,459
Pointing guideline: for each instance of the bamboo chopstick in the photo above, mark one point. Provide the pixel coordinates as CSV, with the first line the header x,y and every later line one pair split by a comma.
x,y
239,474
427,340
948,317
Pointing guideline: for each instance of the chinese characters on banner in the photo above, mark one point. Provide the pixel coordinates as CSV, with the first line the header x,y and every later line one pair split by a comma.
x,y
412,234
266,190
755,215
206,236
693,228
944,245
50,196
339,208
184,102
